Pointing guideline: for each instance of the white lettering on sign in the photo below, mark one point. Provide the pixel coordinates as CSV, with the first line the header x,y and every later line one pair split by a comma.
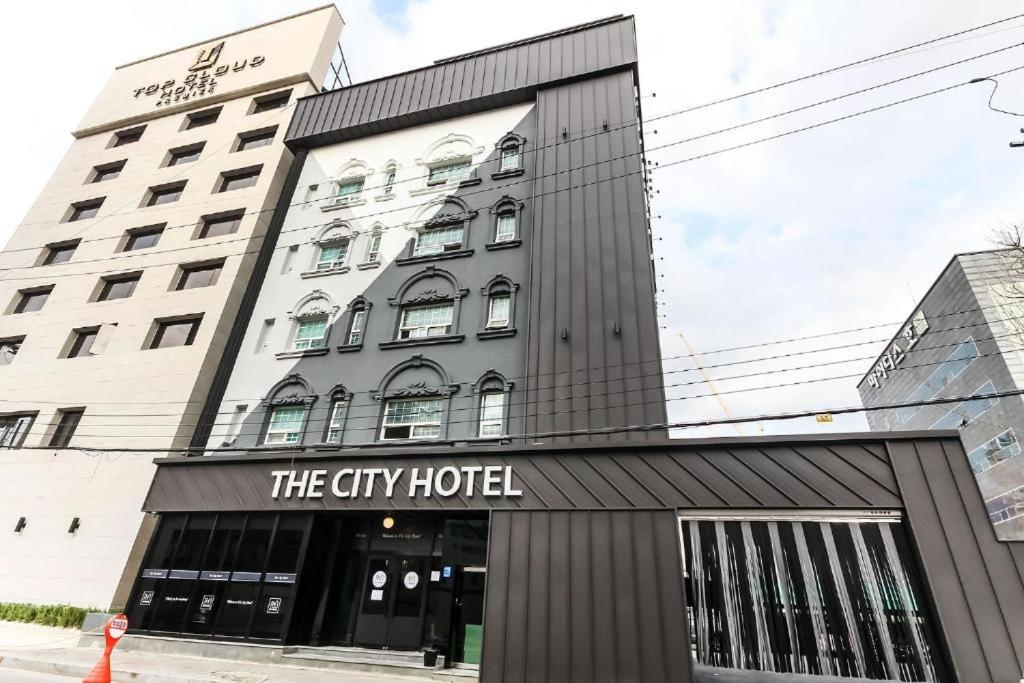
x,y
897,352
444,482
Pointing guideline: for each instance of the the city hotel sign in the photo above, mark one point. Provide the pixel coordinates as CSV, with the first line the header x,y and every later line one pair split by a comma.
x,y
489,481
201,79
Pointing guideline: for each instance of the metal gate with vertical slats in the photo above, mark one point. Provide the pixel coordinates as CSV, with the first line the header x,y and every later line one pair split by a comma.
x,y
829,594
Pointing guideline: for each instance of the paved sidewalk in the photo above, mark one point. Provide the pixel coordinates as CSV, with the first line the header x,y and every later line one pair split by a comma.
x,y
41,653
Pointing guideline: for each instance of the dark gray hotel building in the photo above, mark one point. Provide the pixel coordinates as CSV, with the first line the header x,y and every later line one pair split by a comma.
x,y
438,430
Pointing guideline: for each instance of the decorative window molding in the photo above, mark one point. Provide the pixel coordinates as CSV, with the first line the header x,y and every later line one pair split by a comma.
x,y
337,415
448,163
389,177
348,184
314,308
510,156
332,251
373,244
286,409
444,235
422,402
415,295
500,287
492,413
355,326
506,224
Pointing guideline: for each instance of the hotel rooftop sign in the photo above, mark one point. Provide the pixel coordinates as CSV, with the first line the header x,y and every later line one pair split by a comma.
x,y
293,50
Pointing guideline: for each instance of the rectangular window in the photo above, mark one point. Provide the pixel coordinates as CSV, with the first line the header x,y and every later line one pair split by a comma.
x,y
218,226
255,139
143,238
184,155
355,331
412,418
1005,507
194,277
332,255
285,425
83,210
389,181
66,427
271,102
994,451
431,320
506,229
350,188
59,253
175,333
108,171
118,287
310,334
83,341
961,357
373,250
127,137
492,413
509,158
335,426
202,118
165,194
13,429
9,348
966,412
442,173
499,309
31,300
438,240
239,180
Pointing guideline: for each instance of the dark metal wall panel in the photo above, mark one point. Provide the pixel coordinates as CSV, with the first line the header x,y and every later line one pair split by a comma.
x,y
463,85
974,581
593,346
660,476
585,596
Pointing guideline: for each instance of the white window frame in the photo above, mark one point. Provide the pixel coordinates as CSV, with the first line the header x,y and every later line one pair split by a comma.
x,y
348,196
510,152
419,249
331,264
424,429
335,426
407,331
487,424
355,328
496,323
390,173
307,343
287,437
508,218
442,173
373,248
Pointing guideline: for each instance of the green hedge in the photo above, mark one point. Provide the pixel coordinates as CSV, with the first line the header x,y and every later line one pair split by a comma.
x,y
64,616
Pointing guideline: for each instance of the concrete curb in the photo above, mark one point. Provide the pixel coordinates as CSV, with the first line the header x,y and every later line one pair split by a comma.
x,y
78,671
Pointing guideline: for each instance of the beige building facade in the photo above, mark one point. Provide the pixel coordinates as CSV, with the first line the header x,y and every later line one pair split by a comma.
x,y
120,287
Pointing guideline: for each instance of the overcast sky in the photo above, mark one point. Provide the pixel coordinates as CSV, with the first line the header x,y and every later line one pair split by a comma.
x,y
840,227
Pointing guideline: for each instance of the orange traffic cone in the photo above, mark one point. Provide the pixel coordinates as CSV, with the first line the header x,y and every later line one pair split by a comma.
x,y
101,672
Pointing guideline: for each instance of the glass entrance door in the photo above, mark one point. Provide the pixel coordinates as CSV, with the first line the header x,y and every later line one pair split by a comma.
x,y
391,611
469,615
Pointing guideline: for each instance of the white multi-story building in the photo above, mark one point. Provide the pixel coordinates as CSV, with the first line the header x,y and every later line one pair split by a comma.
x,y
121,285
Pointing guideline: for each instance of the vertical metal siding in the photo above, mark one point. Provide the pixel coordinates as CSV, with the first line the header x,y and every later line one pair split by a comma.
x,y
591,264
975,584
585,596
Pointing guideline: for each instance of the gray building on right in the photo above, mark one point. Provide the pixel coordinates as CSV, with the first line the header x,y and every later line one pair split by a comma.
x,y
964,338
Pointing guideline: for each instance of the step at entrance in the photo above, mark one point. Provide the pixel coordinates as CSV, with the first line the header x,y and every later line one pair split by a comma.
x,y
406,663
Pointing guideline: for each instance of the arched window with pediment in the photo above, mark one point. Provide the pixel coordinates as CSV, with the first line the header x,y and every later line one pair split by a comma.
x,y
499,308
332,249
427,308
506,212
358,314
442,231
492,392
448,162
414,398
337,414
311,322
286,411
348,184
510,155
